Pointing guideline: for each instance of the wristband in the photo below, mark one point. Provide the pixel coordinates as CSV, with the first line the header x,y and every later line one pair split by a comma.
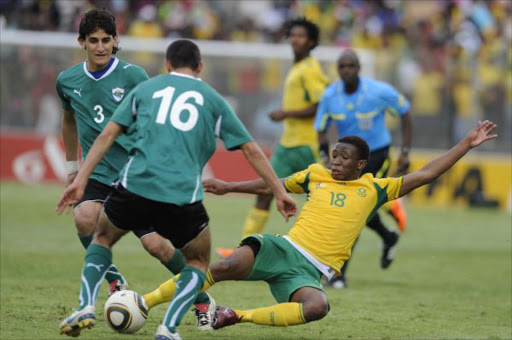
x,y
72,167
405,150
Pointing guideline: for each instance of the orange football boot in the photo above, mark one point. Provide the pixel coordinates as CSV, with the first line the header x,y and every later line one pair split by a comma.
x,y
224,252
399,214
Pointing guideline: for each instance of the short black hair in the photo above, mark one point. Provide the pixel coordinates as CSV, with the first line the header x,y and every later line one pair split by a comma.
x,y
183,53
363,150
96,19
311,28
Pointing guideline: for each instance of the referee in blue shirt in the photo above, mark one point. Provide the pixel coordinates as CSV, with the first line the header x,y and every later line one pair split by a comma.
x,y
358,105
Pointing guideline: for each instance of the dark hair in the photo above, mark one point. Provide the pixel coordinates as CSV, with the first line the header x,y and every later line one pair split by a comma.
x,y
311,28
96,19
183,53
362,147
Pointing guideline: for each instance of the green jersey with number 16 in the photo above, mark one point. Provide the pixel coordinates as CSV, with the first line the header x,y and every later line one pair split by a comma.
x,y
177,119
93,101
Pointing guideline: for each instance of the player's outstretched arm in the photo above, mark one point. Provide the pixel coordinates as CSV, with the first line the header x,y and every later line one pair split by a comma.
x,y
259,162
75,190
438,166
219,187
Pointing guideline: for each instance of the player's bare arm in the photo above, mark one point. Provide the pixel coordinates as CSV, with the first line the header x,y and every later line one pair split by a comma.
x,y
308,112
285,204
219,187
70,138
103,142
435,168
403,159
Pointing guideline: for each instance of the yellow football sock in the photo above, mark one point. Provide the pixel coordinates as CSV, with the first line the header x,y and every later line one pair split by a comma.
x,y
165,292
283,314
255,222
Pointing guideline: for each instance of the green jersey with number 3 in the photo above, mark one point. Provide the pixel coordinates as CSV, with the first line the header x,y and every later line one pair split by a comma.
x,y
93,101
177,119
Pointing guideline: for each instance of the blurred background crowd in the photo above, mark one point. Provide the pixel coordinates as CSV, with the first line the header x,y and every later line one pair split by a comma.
x,y
451,58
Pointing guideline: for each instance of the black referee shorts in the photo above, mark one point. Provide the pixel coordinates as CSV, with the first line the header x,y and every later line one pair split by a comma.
x,y
378,163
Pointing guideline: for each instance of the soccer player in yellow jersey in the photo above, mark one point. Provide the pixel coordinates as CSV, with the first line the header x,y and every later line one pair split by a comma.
x,y
298,147
340,202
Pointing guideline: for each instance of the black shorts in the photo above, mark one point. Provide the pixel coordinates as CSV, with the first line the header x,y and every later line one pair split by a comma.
x,y
95,191
378,163
178,224
98,192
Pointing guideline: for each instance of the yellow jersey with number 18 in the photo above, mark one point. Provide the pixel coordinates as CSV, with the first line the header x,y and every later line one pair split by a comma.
x,y
336,212
303,87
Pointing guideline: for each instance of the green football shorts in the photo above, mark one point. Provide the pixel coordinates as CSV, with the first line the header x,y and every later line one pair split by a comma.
x,y
282,266
287,161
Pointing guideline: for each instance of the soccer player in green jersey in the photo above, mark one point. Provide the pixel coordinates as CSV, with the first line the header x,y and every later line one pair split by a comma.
x,y
340,202
176,119
90,92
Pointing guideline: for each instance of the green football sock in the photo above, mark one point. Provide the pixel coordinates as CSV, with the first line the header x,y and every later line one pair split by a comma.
x,y
97,261
190,282
112,273
85,240
176,265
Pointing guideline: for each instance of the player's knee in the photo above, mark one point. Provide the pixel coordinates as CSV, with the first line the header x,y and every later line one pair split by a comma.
x,y
157,249
316,310
223,268
85,221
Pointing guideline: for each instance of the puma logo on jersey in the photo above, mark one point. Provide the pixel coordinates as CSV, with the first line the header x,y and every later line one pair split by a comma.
x,y
78,92
126,66
97,266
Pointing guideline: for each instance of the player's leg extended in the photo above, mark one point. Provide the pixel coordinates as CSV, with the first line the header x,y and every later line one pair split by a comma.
x,y
293,281
379,165
306,304
86,218
98,260
190,281
235,267
174,261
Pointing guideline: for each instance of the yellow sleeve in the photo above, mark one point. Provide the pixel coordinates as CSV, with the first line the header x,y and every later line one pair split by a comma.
x,y
314,82
391,185
298,183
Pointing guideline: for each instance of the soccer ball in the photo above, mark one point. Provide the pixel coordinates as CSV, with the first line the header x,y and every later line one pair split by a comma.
x,y
126,311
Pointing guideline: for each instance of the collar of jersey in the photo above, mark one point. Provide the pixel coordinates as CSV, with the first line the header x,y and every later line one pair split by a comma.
x,y
110,70
183,75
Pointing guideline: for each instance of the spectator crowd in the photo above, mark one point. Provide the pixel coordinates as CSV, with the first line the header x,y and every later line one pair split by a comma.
x,y
452,58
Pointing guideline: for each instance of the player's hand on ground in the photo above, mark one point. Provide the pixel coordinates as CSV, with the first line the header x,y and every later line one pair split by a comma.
x,y
71,195
277,115
287,206
481,133
215,186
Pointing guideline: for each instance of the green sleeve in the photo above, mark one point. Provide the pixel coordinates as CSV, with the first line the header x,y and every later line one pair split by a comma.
x,y
64,99
229,128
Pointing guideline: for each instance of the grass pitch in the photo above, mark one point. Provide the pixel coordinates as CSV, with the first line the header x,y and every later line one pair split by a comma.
x,y
451,278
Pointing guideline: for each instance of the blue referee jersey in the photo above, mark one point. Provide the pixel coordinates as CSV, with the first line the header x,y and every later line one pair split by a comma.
x,y
361,113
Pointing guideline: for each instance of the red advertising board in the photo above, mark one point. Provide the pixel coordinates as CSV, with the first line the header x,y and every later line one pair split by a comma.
x,y
29,158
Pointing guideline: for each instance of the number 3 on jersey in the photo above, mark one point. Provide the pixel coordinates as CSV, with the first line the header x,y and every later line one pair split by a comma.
x,y
100,117
179,105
